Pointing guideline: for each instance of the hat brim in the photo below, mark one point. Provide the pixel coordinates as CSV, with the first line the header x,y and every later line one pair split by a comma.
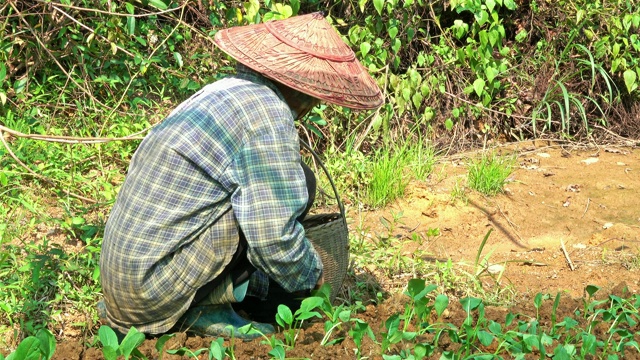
x,y
336,77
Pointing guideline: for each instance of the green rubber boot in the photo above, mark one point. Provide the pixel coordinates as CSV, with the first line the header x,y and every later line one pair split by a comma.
x,y
221,320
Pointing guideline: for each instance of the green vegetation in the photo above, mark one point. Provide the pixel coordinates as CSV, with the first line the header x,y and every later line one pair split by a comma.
x,y
419,331
81,82
489,173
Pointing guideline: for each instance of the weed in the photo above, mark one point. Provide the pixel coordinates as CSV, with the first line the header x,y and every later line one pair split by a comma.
x,y
489,173
388,180
459,192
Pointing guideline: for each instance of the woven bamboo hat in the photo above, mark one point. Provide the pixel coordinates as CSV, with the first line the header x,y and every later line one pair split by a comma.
x,y
304,53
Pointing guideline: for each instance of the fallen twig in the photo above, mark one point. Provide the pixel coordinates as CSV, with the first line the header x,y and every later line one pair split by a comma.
x,y
586,208
41,177
71,139
566,255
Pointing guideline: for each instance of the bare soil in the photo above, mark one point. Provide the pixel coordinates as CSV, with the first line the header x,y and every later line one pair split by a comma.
x,y
588,201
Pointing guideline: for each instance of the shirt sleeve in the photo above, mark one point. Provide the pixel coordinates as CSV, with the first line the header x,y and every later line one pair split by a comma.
x,y
271,194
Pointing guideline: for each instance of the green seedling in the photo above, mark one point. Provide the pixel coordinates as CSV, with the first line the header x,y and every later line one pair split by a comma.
x,y
111,349
160,343
358,331
40,346
217,350
284,318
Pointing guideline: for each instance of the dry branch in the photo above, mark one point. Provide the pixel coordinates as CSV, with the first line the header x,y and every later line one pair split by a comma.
x,y
41,177
71,139
566,255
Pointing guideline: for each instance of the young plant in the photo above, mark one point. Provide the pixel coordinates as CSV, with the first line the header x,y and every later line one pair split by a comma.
x,y
285,318
112,349
40,346
489,173
358,331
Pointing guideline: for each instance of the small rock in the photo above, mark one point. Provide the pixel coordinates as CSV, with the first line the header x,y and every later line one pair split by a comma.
x,y
589,161
573,188
580,246
607,225
495,269
544,155
620,163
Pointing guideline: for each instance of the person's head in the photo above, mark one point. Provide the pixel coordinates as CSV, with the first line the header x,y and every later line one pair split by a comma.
x,y
306,58
299,102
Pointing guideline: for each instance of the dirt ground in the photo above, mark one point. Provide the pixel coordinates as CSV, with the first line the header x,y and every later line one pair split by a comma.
x,y
586,200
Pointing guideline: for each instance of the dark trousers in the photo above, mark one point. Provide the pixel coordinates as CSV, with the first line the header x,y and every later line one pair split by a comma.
x,y
241,269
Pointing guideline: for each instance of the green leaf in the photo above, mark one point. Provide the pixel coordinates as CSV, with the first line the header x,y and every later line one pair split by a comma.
x,y
521,35
396,45
160,343
478,86
441,303
107,337
378,4
47,342
491,73
217,349
29,349
131,341
448,124
485,337
130,8
406,93
482,17
131,25
470,303
490,5
20,85
561,353
3,73
393,31
510,4
630,80
420,351
284,317
362,4
178,57
495,327
493,37
295,6
3,178
277,352
364,48
417,100
537,300
158,4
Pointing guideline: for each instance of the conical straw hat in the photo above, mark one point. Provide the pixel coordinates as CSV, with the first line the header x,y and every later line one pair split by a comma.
x,y
304,53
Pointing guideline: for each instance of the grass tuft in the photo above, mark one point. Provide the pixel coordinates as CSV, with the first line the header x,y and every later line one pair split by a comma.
x,y
489,173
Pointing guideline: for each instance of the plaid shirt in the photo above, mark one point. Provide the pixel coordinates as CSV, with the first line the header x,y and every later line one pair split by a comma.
x,y
226,158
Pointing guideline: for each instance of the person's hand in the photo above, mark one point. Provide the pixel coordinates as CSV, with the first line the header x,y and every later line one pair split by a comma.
x,y
320,282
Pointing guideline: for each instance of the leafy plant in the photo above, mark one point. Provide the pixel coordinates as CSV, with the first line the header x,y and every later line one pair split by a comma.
x,y
112,348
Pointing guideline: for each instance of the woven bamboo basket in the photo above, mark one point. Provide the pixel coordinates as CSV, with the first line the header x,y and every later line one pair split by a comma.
x,y
329,235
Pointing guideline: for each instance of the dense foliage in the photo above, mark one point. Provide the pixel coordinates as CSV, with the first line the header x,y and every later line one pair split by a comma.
x,y
483,67
454,73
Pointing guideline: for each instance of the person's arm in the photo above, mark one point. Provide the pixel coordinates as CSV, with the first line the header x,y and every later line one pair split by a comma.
x,y
271,193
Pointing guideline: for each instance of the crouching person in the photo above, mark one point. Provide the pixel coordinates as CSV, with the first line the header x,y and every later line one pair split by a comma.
x,y
208,220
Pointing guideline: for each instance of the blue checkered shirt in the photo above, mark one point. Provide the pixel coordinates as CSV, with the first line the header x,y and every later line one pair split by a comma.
x,y
227,158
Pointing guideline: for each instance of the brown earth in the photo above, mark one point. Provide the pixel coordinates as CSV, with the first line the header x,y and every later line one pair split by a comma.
x,y
587,200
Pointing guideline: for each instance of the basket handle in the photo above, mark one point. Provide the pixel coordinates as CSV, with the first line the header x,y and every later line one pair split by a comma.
x,y
335,191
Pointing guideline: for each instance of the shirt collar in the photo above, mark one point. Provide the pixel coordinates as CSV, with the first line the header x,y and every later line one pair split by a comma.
x,y
246,73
